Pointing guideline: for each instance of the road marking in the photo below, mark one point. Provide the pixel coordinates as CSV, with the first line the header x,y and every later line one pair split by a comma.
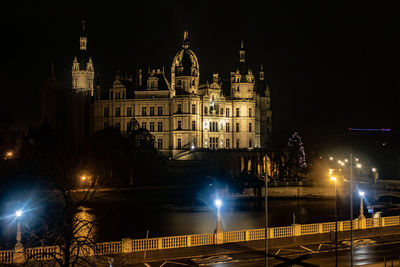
x,y
178,263
303,247
278,252
147,265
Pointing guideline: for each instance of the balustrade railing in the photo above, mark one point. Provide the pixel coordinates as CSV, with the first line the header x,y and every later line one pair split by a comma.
x,y
134,245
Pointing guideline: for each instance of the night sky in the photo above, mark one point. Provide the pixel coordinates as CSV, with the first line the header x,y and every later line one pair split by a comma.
x,y
329,65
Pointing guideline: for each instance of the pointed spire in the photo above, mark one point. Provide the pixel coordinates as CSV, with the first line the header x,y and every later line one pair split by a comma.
x,y
185,40
83,38
83,26
52,76
261,73
242,53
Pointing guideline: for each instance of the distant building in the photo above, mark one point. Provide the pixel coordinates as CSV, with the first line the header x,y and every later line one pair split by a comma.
x,y
184,115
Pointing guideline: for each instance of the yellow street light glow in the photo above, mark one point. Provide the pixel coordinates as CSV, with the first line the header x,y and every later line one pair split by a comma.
x,y
330,171
339,161
83,178
9,154
342,163
374,169
359,165
346,160
331,158
356,159
333,178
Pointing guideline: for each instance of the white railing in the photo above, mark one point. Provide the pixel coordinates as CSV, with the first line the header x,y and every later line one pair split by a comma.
x,y
132,245
6,256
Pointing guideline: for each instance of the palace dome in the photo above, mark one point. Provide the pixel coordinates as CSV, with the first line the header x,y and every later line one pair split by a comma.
x,y
185,62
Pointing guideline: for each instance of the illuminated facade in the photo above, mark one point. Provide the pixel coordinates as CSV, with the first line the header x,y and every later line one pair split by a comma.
x,y
82,67
184,115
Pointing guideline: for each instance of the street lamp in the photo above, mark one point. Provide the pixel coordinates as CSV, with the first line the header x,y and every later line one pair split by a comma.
x,y
218,204
361,216
336,215
18,245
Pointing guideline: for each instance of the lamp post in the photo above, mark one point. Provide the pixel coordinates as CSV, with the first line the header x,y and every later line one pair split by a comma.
x,y
361,216
18,245
218,204
18,256
336,228
351,210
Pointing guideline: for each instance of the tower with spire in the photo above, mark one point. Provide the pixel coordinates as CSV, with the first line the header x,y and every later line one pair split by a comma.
x,y
242,80
82,67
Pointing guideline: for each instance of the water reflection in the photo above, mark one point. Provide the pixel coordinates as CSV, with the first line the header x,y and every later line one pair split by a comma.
x,y
84,224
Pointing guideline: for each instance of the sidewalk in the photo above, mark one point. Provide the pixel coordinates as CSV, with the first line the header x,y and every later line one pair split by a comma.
x,y
259,245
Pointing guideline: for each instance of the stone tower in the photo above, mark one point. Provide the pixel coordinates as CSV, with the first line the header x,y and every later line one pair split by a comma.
x,y
82,67
242,80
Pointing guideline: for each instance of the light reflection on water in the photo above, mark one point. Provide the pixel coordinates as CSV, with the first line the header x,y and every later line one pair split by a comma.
x,y
84,221
133,220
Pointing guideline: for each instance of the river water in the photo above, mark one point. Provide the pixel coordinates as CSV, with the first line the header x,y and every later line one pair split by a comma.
x,y
130,214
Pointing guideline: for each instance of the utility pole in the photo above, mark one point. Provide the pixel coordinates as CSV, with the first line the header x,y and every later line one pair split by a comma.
x,y
351,209
266,218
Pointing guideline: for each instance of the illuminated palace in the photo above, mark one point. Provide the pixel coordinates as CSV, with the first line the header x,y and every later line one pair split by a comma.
x,y
182,114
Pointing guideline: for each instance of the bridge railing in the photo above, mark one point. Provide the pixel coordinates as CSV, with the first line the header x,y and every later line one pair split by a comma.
x,y
135,245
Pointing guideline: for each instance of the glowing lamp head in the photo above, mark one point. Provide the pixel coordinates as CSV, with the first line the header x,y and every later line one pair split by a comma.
x,y
373,169
83,178
333,178
359,165
18,213
330,158
218,203
361,193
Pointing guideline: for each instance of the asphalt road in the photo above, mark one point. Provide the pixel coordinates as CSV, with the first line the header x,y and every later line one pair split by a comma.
x,y
371,252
